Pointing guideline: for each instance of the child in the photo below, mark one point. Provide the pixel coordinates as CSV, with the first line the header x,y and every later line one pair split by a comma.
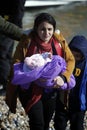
x,y
78,95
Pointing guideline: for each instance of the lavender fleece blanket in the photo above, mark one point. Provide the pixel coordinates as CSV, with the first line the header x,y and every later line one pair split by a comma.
x,y
42,76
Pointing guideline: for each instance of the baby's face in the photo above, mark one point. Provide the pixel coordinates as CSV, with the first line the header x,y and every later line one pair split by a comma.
x,y
34,61
38,60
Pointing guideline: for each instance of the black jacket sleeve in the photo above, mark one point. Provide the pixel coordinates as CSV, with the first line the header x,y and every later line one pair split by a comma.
x,y
9,29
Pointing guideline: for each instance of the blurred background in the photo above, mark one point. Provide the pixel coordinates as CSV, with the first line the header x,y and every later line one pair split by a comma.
x,y
71,18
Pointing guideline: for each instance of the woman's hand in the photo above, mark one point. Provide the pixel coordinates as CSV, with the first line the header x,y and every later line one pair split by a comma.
x,y
58,82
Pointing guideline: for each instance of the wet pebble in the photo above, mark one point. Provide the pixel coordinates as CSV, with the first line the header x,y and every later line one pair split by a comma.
x,y
10,121
19,120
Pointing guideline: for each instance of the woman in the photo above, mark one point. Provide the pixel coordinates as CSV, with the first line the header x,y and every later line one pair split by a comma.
x,y
38,103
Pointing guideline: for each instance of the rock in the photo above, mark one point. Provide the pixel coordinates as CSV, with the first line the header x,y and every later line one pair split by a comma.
x,y
10,121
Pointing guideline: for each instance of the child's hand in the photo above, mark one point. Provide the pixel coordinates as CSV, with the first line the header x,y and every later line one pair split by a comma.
x,y
58,82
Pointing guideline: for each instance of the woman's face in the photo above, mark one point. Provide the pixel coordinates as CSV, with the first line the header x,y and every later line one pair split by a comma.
x,y
45,31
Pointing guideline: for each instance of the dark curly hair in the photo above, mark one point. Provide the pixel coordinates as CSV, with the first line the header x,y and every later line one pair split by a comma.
x,y
42,17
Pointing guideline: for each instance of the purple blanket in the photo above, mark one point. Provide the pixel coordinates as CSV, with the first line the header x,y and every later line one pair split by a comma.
x,y
42,76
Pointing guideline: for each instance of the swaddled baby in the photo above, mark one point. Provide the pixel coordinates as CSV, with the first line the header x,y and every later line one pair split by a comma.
x,y
43,69
36,60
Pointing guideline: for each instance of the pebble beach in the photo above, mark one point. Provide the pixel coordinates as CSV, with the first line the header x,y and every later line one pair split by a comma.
x,y
19,120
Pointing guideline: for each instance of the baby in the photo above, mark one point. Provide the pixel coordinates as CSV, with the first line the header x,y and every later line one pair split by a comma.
x,y
36,60
43,69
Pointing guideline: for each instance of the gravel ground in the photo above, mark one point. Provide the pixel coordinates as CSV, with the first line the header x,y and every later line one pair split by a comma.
x,y
19,121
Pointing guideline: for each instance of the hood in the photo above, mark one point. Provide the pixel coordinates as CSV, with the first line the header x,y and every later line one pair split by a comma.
x,y
79,42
